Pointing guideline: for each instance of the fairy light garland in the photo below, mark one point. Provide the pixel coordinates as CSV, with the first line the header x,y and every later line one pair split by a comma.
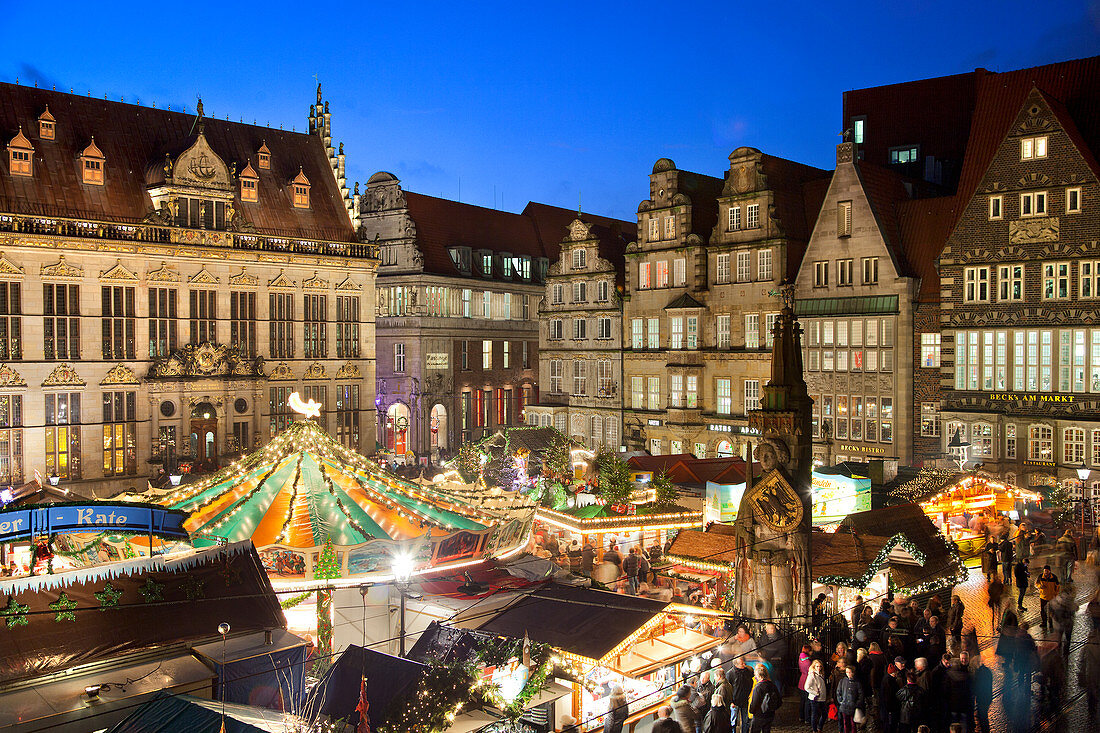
x,y
293,502
697,564
327,480
959,576
628,523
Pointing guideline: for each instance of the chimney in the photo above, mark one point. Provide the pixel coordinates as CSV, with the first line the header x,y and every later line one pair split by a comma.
x,y
267,637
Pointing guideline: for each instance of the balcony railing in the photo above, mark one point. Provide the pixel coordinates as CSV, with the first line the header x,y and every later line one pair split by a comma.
x,y
141,232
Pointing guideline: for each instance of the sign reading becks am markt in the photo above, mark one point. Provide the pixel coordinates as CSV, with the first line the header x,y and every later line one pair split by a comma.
x,y
27,522
437,360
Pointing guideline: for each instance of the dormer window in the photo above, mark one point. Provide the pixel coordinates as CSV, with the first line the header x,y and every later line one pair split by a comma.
x,y
487,264
21,155
46,124
264,157
300,190
92,164
249,184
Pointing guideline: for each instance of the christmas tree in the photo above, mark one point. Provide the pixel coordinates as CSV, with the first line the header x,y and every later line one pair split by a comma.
x,y
327,568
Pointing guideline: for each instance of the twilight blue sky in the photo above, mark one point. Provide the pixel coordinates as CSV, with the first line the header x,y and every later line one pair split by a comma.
x,y
535,101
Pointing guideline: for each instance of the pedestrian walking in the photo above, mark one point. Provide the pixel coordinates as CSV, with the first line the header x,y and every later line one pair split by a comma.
x,y
665,722
575,554
959,696
889,705
1007,560
682,709
1067,546
990,558
765,701
654,560
1023,581
804,662
911,709
772,647
1048,586
1052,667
632,565
995,589
981,682
1088,672
1063,610
817,694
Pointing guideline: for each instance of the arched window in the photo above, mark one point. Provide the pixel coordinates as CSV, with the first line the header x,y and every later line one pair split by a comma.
x,y
724,449
596,433
1073,446
1040,443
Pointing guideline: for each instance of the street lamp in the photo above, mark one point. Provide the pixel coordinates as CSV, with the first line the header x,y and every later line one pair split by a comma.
x,y
1086,498
402,573
54,479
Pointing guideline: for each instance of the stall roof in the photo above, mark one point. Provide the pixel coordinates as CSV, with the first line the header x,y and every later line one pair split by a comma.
x,y
104,611
582,621
388,678
686,469
182,712
706,546
937,561
845,554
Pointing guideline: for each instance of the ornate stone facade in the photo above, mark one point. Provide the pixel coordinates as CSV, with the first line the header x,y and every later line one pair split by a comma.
x,y
150,312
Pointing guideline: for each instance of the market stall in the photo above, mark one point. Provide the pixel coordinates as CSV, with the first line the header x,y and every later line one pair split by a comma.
x,y
965,507
627,525
648,647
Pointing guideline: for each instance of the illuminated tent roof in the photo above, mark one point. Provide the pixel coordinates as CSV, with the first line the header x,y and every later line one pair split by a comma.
x,y
304,487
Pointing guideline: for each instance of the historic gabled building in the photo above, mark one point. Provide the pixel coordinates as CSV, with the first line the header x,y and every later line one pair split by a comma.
x,y
703,284
856,289
458,298
1019,274
580,334
664,268
167,281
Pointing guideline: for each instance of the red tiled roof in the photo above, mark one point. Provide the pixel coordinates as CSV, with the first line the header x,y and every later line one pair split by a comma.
x,y
1000,96
442,223
933,113
685,468
135,139
925,225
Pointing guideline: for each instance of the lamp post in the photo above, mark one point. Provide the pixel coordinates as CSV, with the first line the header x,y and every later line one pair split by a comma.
x,y
1086,500
402,573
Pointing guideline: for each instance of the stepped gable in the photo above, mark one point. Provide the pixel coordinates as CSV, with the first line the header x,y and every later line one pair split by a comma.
x,y
135,141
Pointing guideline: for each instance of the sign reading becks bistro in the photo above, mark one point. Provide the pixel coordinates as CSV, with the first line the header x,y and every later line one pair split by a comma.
x,y
437,361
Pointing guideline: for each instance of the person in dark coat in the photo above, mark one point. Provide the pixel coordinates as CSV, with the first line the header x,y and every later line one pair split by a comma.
x,y
654,560
1022,575
1007,552
617,711
718,717
958,695
953,623
889,706
665,722
574,552
981,682
849,696
588,559
911,706
878,666
772,647
763,693
682,709
740,679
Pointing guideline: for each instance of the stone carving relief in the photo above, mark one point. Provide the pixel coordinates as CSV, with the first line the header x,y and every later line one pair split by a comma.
x,y
203,277
62,270
243,279
120,374
164,274
316,370
1029,231
63,375
118,272
579,231
282,281
348,284
8,268
282,373
315,283
348,371
206,360
11,378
